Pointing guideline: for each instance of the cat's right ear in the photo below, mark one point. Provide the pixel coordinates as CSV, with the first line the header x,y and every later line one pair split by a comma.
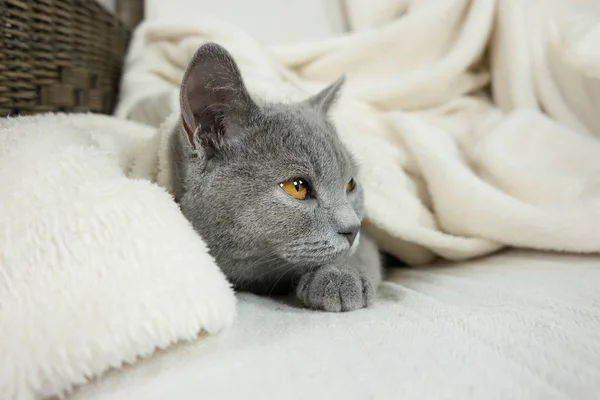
x,y
213,99
323,100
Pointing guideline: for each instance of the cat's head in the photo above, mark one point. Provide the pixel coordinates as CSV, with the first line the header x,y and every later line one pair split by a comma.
x,y
264,184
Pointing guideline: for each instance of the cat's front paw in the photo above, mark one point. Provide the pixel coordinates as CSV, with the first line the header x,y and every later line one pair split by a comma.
x,y
335,288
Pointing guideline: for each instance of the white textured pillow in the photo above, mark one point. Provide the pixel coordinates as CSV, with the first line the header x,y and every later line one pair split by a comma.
x,y
96,270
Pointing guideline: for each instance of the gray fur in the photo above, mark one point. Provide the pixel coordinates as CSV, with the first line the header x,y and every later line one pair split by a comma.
x,y
227,167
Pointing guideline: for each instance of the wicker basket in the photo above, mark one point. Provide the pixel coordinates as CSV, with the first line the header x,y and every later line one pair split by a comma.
x,y
59,55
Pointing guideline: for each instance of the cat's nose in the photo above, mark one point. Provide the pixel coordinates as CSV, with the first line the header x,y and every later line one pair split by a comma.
x,y
350,234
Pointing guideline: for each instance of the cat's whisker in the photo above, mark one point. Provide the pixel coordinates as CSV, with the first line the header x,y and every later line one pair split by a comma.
x,y
271,270
277,281
248,268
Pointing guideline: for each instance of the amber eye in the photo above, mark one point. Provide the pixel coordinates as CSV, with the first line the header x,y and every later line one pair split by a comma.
x,y
296,187
350,185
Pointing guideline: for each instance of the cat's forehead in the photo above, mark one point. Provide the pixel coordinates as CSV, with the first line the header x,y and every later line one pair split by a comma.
x,y
306,135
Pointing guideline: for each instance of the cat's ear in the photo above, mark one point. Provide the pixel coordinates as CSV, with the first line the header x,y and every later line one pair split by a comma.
x,y
323,100
213,98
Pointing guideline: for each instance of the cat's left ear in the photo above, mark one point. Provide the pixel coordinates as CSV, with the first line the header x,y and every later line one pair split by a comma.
x,y
323,100
214,100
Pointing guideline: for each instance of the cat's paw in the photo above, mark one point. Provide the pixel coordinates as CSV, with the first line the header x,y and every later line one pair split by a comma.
x,y
335,288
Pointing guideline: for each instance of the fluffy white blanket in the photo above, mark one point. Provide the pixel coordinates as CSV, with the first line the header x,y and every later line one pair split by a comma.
x,y
96,270
450,170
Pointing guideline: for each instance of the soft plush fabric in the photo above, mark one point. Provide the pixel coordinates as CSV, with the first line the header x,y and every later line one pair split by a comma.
x,y
517,325
96,270
448,170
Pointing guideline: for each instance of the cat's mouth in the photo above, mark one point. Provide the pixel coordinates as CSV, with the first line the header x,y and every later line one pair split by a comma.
x,y
354,245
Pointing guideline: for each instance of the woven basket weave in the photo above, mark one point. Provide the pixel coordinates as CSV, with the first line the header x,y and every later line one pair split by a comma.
x,y
59,55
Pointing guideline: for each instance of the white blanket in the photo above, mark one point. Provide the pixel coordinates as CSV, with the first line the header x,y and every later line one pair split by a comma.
x,y
96,270
448,170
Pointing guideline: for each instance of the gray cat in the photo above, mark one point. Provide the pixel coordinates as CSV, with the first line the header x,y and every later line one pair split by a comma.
x,y
271,189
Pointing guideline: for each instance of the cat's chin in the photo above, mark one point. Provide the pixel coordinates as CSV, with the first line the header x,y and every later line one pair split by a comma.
x,y
315,259
314,252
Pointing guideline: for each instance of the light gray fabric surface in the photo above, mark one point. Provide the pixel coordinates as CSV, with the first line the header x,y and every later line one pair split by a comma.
x,y
516,325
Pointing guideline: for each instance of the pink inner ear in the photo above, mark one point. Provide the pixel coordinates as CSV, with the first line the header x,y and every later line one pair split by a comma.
x,y
190,134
